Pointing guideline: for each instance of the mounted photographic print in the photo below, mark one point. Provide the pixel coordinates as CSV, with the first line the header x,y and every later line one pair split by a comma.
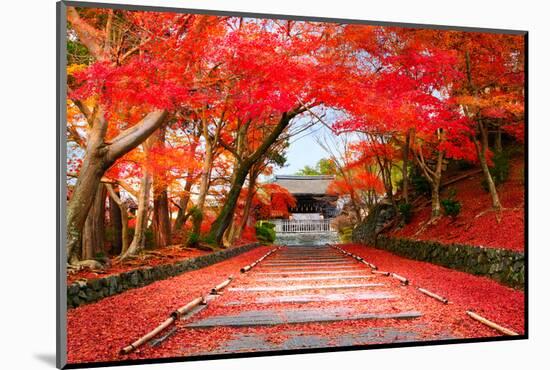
x,y
235,184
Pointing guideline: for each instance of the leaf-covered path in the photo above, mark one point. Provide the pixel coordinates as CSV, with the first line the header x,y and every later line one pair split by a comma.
x,y
299,297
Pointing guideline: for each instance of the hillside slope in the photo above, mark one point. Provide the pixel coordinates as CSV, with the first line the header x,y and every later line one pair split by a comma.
x,y
477,223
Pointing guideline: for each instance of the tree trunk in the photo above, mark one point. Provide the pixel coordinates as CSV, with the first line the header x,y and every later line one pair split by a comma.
x,y
355,207
98,158
221,223
481,152
123,218
436,181
161,218
161,209
184,202
115,218
226,214
405,169
138,242
93,167
94,228
205,184
247,205
389,185
483,147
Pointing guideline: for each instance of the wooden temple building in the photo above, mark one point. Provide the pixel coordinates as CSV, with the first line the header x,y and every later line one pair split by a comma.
x,y
312,199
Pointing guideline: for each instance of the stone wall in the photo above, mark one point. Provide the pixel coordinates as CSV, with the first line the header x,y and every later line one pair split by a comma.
x,y
502,265
80,293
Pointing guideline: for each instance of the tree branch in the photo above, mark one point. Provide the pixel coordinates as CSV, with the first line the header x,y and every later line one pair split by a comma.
x,y
88,35
129,139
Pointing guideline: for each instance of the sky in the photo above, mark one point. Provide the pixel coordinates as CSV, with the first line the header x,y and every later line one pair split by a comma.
x,y
303,150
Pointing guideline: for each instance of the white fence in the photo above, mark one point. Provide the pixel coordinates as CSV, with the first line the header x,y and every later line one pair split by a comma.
x,y
302,226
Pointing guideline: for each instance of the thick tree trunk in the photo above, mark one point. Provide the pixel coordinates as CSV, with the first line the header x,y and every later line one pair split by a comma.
x,y
210,144
481,152
436,203
138,242
115,222
205,185
355,207
483,147
405,189
161,209
93,167
247,205
225,216
184,202
182,216
436,182
389,185
125,239
161,218
93,236
221,223
98,158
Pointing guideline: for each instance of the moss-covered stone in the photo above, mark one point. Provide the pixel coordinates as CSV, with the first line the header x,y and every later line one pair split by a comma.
x,y
502,265
82,292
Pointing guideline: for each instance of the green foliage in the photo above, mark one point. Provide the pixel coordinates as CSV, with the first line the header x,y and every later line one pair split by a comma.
x,y
100,255
420,183
405,209
345,234
193,239
500,170
308,171
463,164
324,166
265,231
77,53
208,240
149,236
451,193
451,207
196,217
267,224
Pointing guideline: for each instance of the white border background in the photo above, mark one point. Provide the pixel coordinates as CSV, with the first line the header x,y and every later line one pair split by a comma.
x,y
27,196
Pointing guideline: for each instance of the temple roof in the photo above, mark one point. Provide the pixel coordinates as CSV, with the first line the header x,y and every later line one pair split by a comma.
x,y
316,185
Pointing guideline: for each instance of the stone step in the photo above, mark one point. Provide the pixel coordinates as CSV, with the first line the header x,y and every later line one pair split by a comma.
x,y
337,277
308,259
309,268
313,272
273,317
282,264
302,287
307,298
299,340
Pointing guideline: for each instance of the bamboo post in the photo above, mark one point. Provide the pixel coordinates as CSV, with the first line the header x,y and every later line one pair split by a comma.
x,y
249,267
402,279
385,273
245,269
169,321
491,324
370,265
433,295
220,286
